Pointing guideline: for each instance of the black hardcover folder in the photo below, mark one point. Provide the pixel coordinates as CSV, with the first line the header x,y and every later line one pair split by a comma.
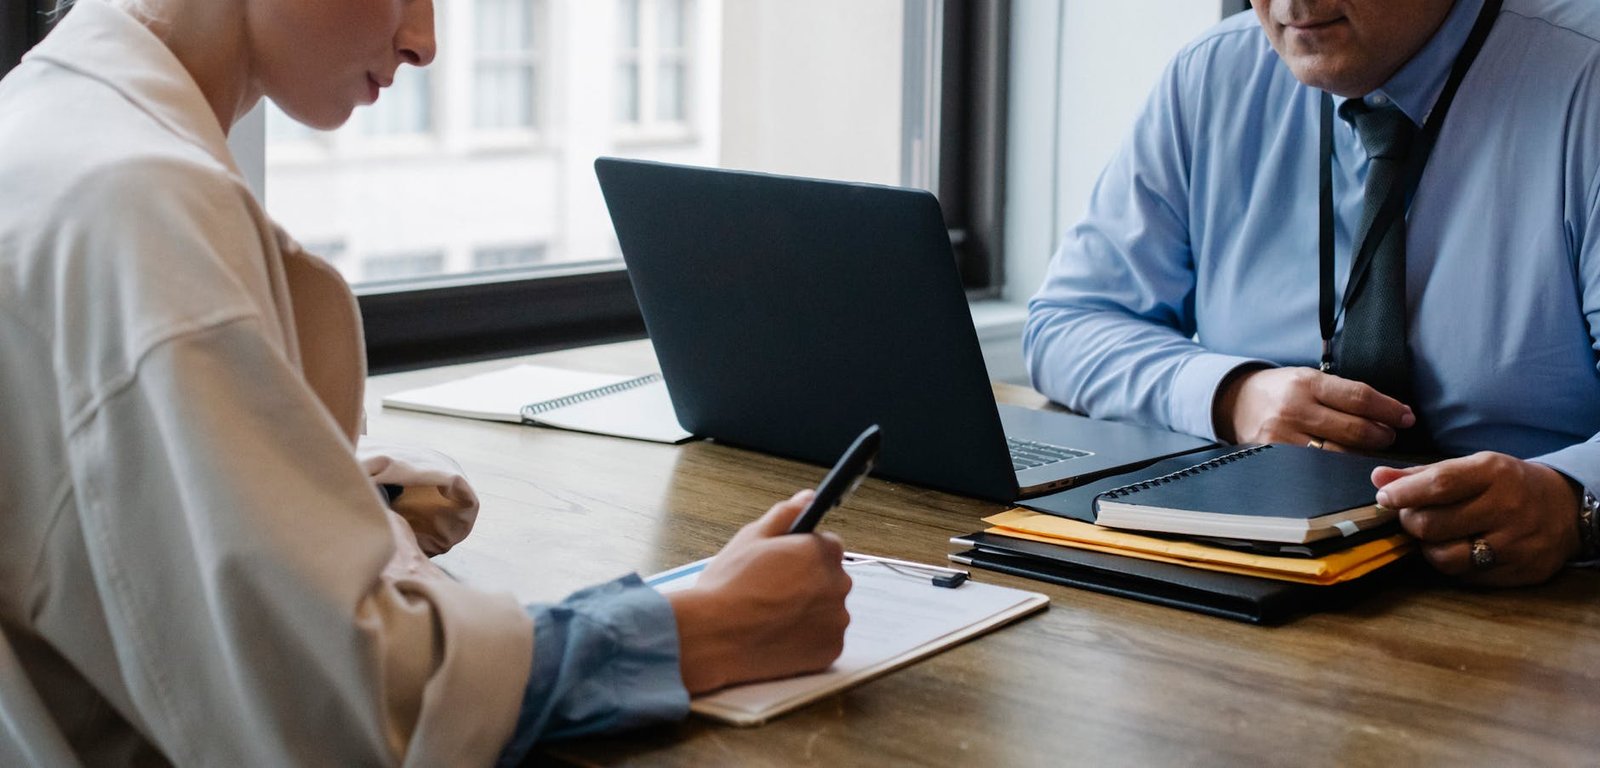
x,y
1230,596
1227,595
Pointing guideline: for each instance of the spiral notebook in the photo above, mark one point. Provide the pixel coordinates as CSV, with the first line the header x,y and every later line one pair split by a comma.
x,y
635,407
1281,493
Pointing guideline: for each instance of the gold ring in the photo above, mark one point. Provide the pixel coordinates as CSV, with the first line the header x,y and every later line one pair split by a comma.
x,y
1482,554
1317,443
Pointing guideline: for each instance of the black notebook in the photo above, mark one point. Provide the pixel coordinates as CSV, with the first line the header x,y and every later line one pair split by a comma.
x,y
1279,493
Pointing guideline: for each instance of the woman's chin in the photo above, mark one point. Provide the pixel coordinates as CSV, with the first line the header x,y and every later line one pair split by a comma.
x,y
323,118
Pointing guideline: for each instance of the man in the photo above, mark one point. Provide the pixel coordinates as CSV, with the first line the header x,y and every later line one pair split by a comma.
x,y
1190,295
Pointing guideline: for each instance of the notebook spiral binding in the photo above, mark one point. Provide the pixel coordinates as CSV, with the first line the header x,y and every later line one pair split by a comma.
x,y
534,409
1128,490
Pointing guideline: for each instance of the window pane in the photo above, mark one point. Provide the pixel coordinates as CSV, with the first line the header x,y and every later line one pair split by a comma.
x,y
669,92
395,266
628,19
406,107
283,129
503,96
628,92
669,28
508,256
483,161
504,26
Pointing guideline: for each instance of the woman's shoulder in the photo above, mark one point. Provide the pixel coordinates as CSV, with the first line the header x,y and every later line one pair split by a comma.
x,y
68,136
115,221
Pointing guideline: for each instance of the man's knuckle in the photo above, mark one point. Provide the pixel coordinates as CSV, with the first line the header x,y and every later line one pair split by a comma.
x,y
1421,525
1441,482
1274,426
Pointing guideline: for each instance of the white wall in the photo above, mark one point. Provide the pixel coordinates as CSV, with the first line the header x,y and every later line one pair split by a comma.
x,y
1080,69
795,106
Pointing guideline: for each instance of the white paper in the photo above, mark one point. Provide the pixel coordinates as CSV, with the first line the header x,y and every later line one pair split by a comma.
x,y
500,395
895,618
643,412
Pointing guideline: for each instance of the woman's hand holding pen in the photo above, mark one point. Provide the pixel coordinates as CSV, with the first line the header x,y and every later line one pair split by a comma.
x,y
768,605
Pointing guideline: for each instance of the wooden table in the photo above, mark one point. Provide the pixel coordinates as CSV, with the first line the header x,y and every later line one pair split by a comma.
x,y
1423,674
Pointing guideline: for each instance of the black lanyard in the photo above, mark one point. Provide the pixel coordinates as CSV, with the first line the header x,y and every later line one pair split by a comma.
x,y
1399,196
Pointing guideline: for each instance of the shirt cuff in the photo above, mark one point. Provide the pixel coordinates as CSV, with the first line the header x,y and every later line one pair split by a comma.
x,y
1194,390
1580,462
604,659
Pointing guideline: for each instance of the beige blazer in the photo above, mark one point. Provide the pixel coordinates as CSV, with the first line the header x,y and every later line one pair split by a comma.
x,y
195,566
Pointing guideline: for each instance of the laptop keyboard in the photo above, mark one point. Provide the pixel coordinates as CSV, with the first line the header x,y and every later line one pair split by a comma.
x,y
1027,454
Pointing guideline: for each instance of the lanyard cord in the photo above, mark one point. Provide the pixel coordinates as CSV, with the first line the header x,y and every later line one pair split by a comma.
x,y
1400,195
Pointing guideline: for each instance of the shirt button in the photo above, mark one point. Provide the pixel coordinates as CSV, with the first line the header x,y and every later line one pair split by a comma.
x,y
1380,100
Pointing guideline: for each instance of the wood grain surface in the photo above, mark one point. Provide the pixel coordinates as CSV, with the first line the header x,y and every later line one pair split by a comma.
x,y
1424,673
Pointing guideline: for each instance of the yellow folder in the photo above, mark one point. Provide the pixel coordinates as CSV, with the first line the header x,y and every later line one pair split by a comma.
x,y
1341,566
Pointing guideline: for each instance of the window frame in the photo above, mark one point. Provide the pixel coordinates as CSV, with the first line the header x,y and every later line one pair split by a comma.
x,y
646,57
450,320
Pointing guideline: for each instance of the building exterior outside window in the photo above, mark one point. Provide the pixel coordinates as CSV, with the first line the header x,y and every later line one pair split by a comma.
x,y
482,163
653,62
506,64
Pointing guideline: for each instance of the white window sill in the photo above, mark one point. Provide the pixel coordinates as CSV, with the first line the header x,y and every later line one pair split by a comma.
x,y
999,325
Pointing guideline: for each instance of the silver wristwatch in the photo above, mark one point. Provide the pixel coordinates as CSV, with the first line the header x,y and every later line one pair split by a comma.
x,y
1589,527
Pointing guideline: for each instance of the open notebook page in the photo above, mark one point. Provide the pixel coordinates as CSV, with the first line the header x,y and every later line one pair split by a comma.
x,y
500,395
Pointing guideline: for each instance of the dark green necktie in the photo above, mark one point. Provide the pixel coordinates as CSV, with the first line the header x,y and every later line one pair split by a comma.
x,y
1372,346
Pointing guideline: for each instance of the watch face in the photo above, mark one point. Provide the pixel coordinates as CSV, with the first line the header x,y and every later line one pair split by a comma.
x,y
1589,526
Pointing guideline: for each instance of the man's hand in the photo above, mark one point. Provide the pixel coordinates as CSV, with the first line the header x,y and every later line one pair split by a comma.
x,y
768,605
1299,405
1526,512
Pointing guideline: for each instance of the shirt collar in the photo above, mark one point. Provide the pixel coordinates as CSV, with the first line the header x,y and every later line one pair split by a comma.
x,y
103,42
1416,86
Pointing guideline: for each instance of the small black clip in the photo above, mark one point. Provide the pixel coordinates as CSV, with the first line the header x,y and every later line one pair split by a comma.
x,y
949,580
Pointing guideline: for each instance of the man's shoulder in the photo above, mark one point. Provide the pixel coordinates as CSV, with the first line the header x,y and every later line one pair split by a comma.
x,y
1578,17
1229,51
1238,36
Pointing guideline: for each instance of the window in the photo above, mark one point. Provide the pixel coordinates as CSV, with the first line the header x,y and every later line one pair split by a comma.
x,y
479,168
653,63
407,108
505,65
508,256
399,266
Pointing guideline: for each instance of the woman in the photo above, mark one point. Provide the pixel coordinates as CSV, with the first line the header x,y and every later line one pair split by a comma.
x,y
197,568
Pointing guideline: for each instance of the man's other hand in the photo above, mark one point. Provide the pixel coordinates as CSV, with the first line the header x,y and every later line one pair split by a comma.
x,y
1303,405
1525,513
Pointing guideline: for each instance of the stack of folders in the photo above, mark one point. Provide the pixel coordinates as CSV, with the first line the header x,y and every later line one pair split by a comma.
x,y
1254,533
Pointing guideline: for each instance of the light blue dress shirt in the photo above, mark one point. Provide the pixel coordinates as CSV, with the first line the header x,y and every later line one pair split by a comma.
x,y
1199,250
604,659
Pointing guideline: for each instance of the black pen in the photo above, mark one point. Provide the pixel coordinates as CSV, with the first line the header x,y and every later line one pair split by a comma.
x,y
847,473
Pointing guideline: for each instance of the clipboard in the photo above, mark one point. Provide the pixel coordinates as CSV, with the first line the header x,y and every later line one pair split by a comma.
x,y
897,617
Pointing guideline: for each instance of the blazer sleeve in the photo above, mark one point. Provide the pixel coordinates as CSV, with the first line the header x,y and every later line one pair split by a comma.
x,y
264,607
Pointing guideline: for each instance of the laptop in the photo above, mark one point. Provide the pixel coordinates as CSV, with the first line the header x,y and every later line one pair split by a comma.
x,y
789,313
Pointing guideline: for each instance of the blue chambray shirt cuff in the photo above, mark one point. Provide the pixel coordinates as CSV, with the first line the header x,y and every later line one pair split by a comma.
x,y
604,659
1194,390
1581,463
